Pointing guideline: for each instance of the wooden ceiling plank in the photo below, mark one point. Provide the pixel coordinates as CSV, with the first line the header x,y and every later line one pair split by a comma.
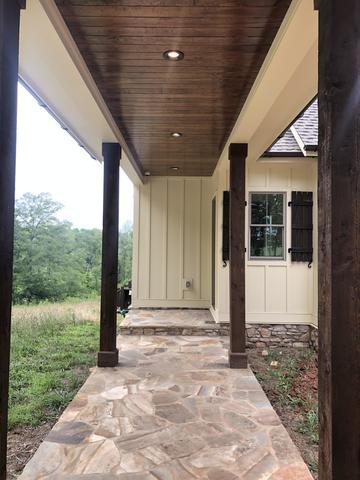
x,y
255,10
225,43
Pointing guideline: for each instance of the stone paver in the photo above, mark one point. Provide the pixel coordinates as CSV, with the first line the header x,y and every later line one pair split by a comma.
x,y
172,410
172,322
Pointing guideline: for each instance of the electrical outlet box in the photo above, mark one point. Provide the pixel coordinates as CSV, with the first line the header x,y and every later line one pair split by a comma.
x,y
187,283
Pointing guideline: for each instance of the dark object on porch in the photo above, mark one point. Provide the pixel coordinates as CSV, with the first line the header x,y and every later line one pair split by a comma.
x,y
301,227
124,298
225,228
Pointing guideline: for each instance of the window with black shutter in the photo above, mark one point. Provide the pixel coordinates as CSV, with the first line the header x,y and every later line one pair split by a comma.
x,y
301,227
225,228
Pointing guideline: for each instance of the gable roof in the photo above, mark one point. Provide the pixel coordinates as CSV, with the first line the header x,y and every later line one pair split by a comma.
x,y
300,139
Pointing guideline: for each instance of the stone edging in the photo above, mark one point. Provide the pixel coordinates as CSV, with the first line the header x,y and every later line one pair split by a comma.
x,y
257,335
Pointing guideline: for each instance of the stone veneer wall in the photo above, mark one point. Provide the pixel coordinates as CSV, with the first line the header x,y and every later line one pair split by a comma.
x,y
272,336
213,330
314,338
257,335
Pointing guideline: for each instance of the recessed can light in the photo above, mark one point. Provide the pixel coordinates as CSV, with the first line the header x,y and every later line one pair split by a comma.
x,y
175,169
176,134
147,174
173,55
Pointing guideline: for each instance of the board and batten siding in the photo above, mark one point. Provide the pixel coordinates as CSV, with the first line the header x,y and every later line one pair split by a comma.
x,y
277,291
172,242
282,290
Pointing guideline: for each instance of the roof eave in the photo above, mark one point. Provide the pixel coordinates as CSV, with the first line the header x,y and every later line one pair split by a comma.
x,y
282,154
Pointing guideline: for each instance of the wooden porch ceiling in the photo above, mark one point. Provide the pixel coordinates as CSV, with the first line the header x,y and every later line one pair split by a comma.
x,y
224,44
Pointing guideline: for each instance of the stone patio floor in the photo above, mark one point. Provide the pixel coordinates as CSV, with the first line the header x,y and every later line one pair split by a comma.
x,y
172,322
172,410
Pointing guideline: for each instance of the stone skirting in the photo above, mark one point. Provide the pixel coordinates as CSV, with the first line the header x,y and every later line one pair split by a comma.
x,y
272,336
257,335
314,338
214,330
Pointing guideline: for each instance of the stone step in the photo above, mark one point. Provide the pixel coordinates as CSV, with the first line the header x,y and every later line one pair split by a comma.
x,y
186,330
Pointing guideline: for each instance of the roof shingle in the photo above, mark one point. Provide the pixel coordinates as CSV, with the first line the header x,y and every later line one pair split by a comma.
x,y
306,126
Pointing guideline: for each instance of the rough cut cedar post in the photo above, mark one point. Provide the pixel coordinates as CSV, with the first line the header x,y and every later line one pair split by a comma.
x,y
108,354
237,157
9,58
339,239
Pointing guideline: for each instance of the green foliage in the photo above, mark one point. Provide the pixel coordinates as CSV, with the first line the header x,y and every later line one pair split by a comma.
x,y
125,254
50,359
283,379
310,425
53,260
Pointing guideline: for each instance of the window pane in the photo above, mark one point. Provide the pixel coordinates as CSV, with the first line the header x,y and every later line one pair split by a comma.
x,y
275,208
274,236
267,242
267,208
258,241
258,208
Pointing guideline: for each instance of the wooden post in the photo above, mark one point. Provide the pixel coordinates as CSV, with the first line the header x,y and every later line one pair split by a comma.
x,y
9,59
237,157
339,239
108,354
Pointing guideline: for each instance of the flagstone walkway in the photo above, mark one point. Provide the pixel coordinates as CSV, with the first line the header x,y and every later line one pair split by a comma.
x,y
185,321
172,410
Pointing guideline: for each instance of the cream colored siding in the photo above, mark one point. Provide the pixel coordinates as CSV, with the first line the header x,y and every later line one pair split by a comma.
x,y
172,242
286,288
221,311
173,228
175,237
277,291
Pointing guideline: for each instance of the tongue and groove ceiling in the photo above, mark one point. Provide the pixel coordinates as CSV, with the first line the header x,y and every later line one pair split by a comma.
x,y
224,44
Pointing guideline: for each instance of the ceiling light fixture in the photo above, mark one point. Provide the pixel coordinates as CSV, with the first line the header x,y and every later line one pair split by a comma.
x,y
173,55
174,168
147,174
176,134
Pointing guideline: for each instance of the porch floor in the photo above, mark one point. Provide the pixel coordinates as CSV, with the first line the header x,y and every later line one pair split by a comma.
x,y
172,322
172,410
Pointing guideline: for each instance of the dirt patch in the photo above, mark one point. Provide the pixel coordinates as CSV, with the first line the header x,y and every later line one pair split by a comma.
x,y
306,384
22,444
292,388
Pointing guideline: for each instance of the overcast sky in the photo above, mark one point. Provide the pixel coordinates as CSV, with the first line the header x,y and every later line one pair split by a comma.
x,y
49,160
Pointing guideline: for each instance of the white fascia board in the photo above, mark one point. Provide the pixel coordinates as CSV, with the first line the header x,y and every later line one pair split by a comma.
x,y
51,65
298,139
300,142
286,160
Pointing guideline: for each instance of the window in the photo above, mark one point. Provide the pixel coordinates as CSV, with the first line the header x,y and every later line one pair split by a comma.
x,y
267,225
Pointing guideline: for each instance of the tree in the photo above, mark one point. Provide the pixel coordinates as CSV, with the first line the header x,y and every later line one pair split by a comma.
x,y
52,260
125,254
45,261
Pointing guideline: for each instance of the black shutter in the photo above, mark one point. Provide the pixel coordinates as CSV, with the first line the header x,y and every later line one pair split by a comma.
x,y
301,227
225,227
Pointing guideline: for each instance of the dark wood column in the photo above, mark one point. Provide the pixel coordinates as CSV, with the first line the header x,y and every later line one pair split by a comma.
x,y
108,354
237,157
339,239
9,59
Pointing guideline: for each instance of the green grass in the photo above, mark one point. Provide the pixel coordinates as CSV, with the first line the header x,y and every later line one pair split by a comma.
x,y
50,358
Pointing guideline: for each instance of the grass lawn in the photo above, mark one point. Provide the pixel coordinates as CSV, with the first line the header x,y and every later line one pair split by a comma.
x,y
80,309
53,347
291,386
